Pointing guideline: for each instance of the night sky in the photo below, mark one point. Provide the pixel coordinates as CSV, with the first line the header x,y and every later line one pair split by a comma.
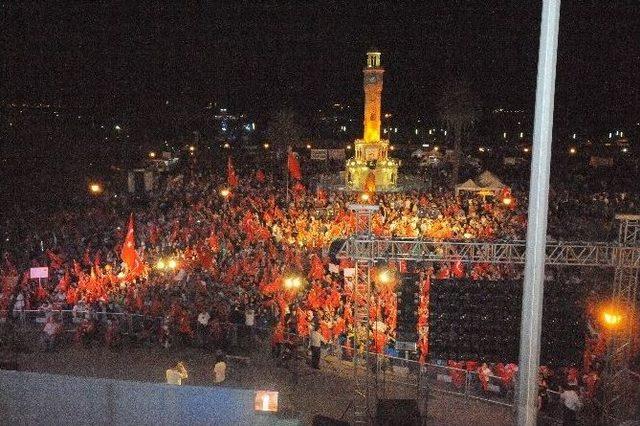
x,y
128,56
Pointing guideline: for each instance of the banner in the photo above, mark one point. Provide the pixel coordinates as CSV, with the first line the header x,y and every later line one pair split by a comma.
x,y
336,154
319,154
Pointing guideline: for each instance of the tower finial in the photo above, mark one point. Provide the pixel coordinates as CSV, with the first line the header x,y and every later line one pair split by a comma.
x,y
373,58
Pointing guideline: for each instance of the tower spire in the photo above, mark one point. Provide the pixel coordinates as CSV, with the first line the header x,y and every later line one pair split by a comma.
x,y
372,96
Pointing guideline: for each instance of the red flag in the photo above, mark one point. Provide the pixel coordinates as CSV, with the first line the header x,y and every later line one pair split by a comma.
x,y
260,177
294,166
232,178
55,261
128,253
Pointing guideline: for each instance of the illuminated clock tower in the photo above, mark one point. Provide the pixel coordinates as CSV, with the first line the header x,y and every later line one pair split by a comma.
x,y
371,169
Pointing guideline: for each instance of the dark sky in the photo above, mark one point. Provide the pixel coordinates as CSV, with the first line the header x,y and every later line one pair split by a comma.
x,y
131,55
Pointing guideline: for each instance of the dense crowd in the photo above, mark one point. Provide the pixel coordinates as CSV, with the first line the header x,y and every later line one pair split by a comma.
x,y
205,259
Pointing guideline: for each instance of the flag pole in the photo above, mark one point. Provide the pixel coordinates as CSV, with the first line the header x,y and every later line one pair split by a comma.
x,y
287,168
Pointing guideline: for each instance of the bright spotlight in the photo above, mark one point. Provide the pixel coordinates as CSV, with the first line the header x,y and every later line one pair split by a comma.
x,y
385,276
95,188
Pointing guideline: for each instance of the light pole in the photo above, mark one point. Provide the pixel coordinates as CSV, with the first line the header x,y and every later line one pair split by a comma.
x,y
533,287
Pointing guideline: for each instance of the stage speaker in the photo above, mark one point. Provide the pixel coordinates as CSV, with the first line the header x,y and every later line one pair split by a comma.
x,y
319,420
397,412
334,249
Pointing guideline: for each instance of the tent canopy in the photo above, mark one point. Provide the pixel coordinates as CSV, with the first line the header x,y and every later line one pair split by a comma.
x,y
486,181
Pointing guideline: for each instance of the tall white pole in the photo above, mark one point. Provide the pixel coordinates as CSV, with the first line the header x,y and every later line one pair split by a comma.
x,y
533,289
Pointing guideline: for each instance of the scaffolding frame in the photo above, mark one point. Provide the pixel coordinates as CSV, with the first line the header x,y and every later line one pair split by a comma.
x,y
624,256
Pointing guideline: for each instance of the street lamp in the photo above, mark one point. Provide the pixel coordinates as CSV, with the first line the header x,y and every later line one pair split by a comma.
x,y
293,282
308,146
266,145
572,151
152,154
192,148
95,188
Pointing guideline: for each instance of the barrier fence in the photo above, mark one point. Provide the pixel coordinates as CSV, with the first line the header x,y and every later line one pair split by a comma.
x,y
391,377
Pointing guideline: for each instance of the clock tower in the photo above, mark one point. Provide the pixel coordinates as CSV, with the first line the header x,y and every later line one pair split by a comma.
x,y
372,97
371,169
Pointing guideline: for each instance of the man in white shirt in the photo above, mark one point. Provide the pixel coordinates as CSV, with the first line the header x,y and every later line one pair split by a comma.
x,y
51,330
315,342
176,374
219,369
249,321
572,404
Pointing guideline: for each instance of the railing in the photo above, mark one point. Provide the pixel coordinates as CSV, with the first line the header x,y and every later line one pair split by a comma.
x,y
389,376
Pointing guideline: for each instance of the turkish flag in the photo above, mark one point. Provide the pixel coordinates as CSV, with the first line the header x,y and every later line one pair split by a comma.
x,y
294,166
232,178
128,254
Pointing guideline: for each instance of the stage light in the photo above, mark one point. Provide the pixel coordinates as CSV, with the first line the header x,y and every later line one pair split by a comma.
x,y
160,264
612,317
95,188
385,276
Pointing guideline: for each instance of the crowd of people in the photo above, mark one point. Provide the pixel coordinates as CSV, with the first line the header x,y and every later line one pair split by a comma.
x,y
205,258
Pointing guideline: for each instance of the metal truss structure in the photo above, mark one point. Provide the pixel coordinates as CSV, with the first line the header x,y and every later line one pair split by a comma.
x,y
618,389
366,249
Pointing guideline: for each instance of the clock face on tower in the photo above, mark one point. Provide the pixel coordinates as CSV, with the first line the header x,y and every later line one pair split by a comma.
x,y
371,79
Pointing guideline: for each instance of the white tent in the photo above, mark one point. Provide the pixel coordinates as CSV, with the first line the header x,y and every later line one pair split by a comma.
x,y
469,185
489,181
486,182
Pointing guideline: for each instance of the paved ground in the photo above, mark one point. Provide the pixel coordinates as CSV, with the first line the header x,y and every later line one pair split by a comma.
x,y
309,392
